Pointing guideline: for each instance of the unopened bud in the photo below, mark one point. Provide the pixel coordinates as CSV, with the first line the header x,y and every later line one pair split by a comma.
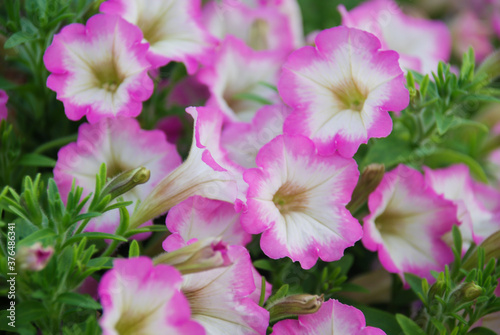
x,y
35,257
206,254
295,305
126,181
490,67
368,181
438,288
465,292
491,247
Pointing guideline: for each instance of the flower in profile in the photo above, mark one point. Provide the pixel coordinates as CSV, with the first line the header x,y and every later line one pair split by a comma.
x,y
139,298
243,141
171,28
406,224
341,90
220,298
123,146
99,69
332,318
237,93
421,43
197,218
260,27
3,104
297,199
35,257
479,218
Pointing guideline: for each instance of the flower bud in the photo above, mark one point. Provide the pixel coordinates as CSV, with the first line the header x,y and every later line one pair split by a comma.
x,y
370,178
126,181
490,67
35,257
206,254
491,247
465,292
293,305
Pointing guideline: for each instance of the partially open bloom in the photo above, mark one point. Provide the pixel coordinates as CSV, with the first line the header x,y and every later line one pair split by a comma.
x,y
421,43
406,224
198,217
171,28
455,184
35,257
243,141
206,171
3,104
219,298
342,89
139,298
332,318
123,146
99,69
297,199
232,90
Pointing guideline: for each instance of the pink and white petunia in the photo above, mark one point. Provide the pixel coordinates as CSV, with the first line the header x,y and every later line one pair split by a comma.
x,y
220,298
260,27
99,69
341,90
139,298
479,218
331,319
421,43
406,224
206,172
3,104
242,141
297,199
171,27
239,72
123,146
197,218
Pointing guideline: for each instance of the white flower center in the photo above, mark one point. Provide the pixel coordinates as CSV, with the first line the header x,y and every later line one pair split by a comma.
x,y
350,95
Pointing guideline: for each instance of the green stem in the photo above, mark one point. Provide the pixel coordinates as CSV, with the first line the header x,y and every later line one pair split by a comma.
x,y
110,249
58,142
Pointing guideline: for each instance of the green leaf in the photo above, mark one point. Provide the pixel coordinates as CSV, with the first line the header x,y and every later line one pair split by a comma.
x,y
6,84
18,38
79,300
38,236
482,98
408,325
445,157
251,97
146,229
95,236
101,263
264,264
481,331
36,160
415,283
389,151
134,250
443,122
281,293
380,319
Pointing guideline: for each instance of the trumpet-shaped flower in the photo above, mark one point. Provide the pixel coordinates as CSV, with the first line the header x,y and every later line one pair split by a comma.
x,y
3,104
220,298
236,92
406,224
243,141
421,43
332,318
455,184
206,172
342,89
99,69
297,199
260,27
123,146
139,298
197,218
171,27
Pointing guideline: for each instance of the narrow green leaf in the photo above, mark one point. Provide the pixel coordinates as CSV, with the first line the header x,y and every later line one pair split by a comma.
x,y
79,300
94,236
264,264
446,157
36,160
18,38
134,250
101,262
408,325
252,97
38,236
481,331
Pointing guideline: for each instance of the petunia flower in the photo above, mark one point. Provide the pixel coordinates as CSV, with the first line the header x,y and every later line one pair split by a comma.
x,y
242,141
3,104
123,146
171,27
421,43
260,27
220,298
99,69
206,172
455,184
332,318
297,199
468,30
139,298
406,224
197,218
341,90
236,92
34,257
